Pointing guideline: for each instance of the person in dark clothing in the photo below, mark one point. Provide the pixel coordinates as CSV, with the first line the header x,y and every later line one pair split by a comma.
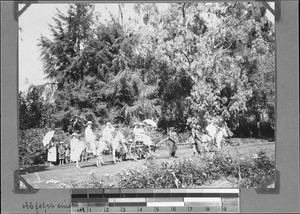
x,y
173,140
196,137
61,153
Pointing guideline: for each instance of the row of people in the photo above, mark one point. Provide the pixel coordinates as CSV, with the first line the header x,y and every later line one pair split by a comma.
x,y
63,152
72,152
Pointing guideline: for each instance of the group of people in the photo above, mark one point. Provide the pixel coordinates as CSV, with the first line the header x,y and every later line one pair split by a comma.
x,y
201,139
66,153
72,152
60,151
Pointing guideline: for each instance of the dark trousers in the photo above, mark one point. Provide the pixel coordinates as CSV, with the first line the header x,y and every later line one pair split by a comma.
x,y
196,149
172,148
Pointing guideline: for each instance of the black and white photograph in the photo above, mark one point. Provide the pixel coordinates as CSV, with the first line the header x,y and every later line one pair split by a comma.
x,y
147,95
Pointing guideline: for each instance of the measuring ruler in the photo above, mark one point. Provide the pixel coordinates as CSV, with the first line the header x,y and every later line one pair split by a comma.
x,y
155,200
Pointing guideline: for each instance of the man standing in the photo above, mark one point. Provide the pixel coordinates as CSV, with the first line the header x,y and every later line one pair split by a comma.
x,y
173,140
90,137
196,137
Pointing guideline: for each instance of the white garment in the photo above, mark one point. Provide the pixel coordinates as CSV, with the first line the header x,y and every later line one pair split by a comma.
x,y
108,133
140,135
76,149
212,130
90,138
220,136
52,154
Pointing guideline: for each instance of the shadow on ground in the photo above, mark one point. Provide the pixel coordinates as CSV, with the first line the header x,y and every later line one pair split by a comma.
x,y
36,168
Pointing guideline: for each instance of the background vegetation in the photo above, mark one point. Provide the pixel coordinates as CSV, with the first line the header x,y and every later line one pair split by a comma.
x,y
182,65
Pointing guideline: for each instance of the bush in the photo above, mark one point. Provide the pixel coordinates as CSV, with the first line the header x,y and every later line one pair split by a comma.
x,y
251,172
261,171
91,182
189,172
196,171
31,149
168,174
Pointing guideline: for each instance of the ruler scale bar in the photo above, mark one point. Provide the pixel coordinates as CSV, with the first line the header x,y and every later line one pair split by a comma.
x,y
155,200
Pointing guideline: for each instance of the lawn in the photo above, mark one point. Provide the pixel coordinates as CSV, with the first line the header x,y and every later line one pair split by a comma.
x,y
90,176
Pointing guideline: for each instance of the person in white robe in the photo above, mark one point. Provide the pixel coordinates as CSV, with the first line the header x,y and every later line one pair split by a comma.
x,y
212,130
77,147
90,137
107,134
51,156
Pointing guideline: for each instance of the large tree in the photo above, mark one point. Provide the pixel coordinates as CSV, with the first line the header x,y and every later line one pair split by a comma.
x,y
180,64
227,52
99,75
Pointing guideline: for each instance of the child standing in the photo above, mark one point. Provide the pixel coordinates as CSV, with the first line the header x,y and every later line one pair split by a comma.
x,y
61,153
67,153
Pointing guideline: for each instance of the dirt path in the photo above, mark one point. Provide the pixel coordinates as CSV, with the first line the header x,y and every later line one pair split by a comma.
x,y
44,176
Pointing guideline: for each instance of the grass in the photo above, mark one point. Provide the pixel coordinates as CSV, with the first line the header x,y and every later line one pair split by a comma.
x,y
219,170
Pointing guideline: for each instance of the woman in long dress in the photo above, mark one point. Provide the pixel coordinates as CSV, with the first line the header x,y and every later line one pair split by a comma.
x,y
77,147
52,157
90,137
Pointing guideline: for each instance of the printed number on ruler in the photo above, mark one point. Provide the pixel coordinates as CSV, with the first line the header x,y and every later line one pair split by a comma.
x,y
84,209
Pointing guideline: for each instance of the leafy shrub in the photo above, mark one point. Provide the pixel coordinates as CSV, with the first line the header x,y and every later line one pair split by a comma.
x,y
262,170
252,172
91,182
31,149
196,171
189,172
168,174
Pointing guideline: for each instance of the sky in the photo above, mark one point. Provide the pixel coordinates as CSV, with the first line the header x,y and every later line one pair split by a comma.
x,y
34,23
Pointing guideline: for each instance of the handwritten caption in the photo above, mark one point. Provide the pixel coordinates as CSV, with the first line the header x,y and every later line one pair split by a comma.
x,y
44,207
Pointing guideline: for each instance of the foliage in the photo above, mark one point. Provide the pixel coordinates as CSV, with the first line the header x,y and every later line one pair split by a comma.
x,y
31,149
91,182
263,170
181,65
196,171
231,79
